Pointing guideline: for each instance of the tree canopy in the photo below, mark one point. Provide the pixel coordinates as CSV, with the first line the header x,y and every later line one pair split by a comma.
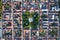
x,y
26,16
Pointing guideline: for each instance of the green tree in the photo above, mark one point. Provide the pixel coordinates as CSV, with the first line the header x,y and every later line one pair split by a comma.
x,y
59,3
0,6
0,9
7,6
59,14
42,33
36,18
44,16
54,32
19,33
25,19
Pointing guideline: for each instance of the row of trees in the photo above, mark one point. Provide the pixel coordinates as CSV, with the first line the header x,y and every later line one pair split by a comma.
x,y
59,14
59,3
0,8
59,7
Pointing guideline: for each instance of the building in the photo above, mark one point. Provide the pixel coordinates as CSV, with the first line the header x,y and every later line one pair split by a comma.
x,y
29,20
